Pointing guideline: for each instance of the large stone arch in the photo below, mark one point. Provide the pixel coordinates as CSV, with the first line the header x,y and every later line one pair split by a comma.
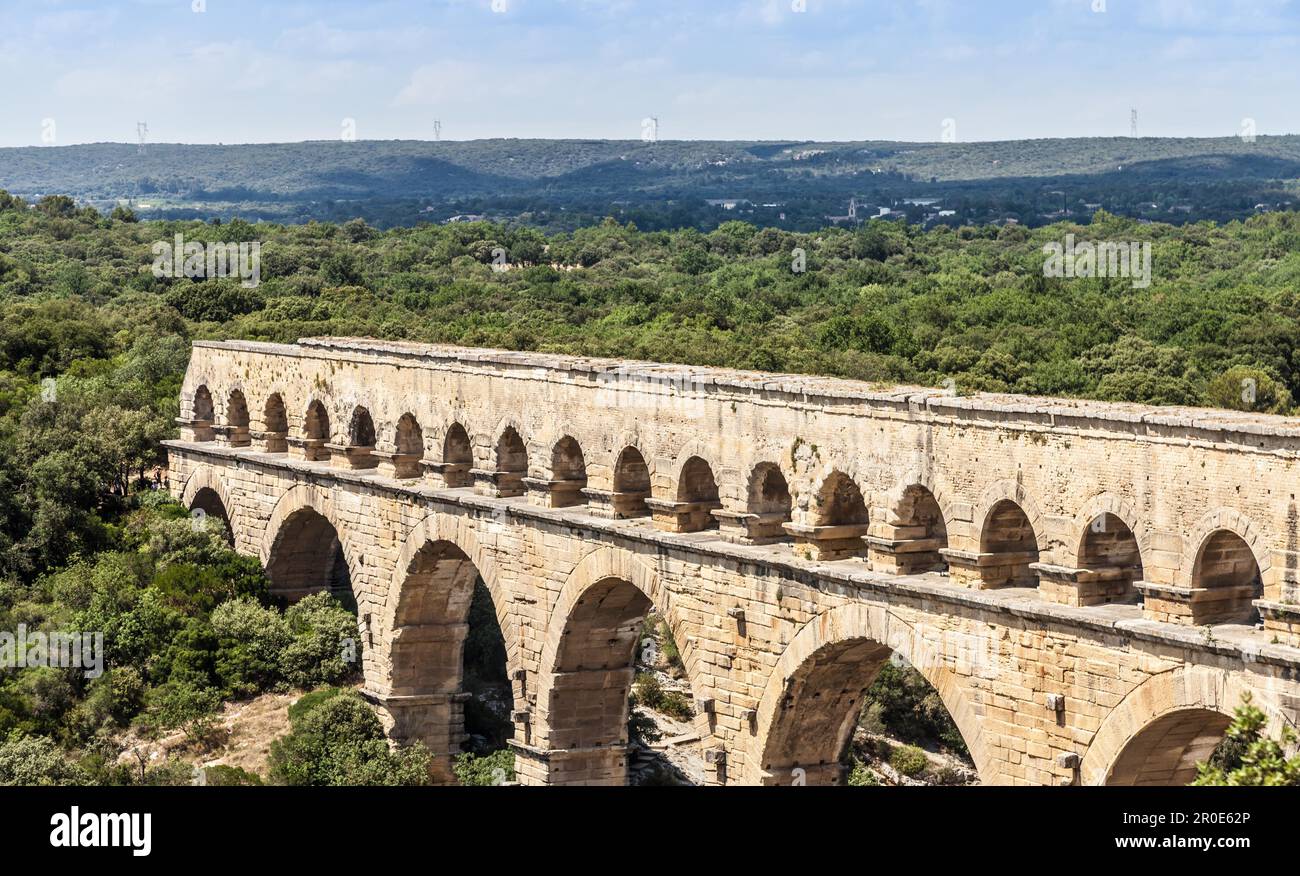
x,y
320,500
458,531
1184,689
602,570
205,477
868,624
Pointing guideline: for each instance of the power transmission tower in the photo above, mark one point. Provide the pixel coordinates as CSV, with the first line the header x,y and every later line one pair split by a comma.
x,y
142,132
1133,122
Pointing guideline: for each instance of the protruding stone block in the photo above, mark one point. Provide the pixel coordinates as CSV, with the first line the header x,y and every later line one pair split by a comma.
x,y
309,449
682,516
560,493
828,543
270,442
742,527
498,484
1193,606
447,475
352,456
617,505
990,569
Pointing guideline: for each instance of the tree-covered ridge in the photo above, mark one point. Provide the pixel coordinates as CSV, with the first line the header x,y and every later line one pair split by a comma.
x,y
562,184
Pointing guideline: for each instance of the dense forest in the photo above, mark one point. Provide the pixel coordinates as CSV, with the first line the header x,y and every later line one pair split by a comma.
x,y
561,185
93,347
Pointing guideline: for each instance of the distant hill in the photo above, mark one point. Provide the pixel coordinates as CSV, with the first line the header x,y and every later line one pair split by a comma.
x,y
665,183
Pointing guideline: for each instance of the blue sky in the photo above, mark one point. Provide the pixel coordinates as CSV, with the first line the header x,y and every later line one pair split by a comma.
x,y
284,70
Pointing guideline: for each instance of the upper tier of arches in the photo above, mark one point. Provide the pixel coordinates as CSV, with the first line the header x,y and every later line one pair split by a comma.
x,y
827,511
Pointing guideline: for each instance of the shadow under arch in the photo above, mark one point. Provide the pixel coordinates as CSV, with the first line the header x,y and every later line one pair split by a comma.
x,y
840,652
589,654
437,528
306,548
205,490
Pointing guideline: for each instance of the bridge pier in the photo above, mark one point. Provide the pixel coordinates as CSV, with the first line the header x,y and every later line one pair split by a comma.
x,y
599,765
436,719
817,774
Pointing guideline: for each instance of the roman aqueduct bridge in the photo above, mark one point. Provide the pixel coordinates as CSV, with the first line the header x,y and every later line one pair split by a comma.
x,y
1091,588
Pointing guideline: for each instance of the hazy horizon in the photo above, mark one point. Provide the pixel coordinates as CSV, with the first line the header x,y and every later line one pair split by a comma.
x,y
237,72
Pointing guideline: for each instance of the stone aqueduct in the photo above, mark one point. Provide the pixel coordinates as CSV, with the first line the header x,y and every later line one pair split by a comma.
x,y
1091,588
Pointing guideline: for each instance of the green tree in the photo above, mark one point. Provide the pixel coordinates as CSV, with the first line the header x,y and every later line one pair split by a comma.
x,y
1248,756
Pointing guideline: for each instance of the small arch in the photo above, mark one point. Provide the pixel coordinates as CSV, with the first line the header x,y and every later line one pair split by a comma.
x,y
408,447
316,425
697,489
839,502
1009,538
203,417
1109,553
457,457
408,438
275,424
769,493
511,452
631,484
204,411
919,532
361,429
568,473
237,419
1225,566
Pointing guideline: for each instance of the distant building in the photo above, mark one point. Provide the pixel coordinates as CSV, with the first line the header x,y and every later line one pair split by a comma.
x,y
466,217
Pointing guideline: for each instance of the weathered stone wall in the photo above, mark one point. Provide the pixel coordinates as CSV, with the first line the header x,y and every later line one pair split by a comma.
x,y
779,641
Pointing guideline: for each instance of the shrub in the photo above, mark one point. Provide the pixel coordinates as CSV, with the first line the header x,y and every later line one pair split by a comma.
x,y
251,641
904,704
489,769
318,652
179,705
860,776
222,775
36,760
309,701
909,760
339,741
1248,757
650,693
112,699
